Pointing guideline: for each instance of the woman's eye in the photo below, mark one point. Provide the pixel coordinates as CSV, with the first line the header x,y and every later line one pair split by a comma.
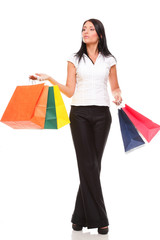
x,y
92,29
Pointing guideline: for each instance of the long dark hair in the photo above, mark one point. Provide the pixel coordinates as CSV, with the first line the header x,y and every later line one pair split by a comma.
x,y
102,44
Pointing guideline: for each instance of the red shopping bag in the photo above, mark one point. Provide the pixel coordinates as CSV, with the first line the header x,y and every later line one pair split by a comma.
x,y
144,125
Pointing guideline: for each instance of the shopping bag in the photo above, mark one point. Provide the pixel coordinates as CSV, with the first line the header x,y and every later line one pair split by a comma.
x,y
56,114
130,136
27,107
144,125
36,106
61,112
51,118
39,114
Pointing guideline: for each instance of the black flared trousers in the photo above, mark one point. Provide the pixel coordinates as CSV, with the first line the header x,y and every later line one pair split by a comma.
x,y
90,127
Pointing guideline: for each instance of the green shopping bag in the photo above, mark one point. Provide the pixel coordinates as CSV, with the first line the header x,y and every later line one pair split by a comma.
x,y
51,118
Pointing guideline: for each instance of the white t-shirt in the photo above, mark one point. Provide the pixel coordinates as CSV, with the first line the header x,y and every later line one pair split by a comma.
x,y
91,80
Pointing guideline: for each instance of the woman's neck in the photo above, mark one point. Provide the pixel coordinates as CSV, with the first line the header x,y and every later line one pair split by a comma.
x,y
92,50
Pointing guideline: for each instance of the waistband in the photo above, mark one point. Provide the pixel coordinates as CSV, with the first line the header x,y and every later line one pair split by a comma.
x,y
88,106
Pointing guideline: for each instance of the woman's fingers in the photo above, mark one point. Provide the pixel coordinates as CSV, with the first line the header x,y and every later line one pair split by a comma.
x,y
118,100
117,103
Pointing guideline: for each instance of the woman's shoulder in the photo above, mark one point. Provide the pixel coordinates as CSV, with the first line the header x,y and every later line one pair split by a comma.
x,y
73,58
109,57
110,60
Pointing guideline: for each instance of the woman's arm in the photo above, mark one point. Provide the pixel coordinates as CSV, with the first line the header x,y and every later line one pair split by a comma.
x,y
116,92
67,89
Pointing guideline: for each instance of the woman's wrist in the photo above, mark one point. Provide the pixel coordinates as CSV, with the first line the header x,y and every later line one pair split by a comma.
x,y
116,92
50,79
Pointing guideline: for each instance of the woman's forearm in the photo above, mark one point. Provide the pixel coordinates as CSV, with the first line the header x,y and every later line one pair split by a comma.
x,y
63,88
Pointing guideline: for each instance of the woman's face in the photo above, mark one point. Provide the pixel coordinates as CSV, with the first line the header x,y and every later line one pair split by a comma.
x,y
89,33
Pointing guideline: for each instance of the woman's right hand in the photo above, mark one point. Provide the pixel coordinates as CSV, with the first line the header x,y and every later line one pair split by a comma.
x,y
39,77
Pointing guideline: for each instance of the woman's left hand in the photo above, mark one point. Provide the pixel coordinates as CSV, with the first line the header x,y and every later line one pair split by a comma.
x,y
117,96
118,99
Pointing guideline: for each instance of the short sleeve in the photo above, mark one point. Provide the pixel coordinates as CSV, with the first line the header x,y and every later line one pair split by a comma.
x,y
72,58
112,61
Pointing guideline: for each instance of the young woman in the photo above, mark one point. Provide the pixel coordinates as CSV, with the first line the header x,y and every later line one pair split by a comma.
x,y
88,73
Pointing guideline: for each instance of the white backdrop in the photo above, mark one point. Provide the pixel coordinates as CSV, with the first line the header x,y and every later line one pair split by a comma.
x,y
38,169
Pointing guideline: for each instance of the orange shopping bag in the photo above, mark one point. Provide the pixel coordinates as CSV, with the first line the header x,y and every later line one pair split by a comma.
x,y
27,107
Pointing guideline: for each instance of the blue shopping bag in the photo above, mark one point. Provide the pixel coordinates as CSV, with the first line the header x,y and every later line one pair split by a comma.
x,y
130,135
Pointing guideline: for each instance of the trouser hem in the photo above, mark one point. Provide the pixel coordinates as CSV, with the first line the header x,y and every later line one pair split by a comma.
x,y
82,222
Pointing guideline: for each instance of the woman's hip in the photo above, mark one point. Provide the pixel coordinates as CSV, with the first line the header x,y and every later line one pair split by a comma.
x,y
90,113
